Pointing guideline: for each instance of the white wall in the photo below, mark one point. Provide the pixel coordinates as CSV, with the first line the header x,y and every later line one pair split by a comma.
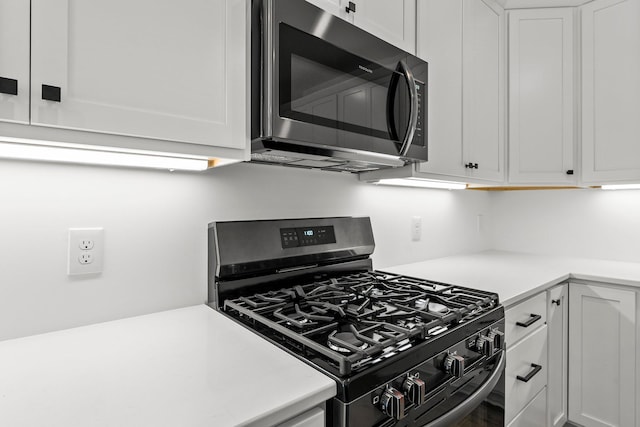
x,y
155,232
582,223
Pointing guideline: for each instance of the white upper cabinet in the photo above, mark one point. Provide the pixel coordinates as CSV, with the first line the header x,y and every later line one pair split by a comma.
x,y
440,44
463,41
541,96
483,85
611,91
392,21
332,6
14,61
158,70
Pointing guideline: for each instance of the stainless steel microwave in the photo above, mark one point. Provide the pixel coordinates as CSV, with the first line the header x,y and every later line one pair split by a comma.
x,y
327,94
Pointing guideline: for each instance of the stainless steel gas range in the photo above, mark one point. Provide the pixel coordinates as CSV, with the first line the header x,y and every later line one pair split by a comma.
x,y
403,351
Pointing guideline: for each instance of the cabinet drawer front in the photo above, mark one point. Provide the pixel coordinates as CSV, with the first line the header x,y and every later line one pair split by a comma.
x,y
527,357
534,414
525,313
312,418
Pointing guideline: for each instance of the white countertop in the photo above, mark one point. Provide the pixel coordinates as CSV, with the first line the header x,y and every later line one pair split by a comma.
x,y
187,367
194,367
515,276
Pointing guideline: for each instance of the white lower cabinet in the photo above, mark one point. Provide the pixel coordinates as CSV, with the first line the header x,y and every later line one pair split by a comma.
x,y
558,345
526,372
536,333
312,418
534,414
524,318
602,356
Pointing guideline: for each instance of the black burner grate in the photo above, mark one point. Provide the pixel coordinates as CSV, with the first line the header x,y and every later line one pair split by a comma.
x,y
356,320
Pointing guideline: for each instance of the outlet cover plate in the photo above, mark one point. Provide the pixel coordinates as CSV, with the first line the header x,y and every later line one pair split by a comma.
x,y
416,228
78,238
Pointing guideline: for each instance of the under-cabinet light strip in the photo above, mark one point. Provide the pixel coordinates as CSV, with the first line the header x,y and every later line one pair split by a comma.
x,y
56,152
422,183
621,187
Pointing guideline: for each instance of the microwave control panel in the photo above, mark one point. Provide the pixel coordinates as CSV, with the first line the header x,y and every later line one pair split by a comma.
x,y
421,88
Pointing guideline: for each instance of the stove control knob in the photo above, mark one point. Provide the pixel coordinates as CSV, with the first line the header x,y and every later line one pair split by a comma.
x,y
392,403
454,365
484,345
415,389
498,339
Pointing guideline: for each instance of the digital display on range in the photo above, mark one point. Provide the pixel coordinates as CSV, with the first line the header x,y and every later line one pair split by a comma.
x,y
307,236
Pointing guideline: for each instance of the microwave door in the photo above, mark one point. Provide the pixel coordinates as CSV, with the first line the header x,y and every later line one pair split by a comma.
x,y
331,97
397,115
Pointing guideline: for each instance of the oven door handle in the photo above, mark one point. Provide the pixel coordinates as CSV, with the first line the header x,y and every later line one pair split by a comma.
x,y
473,401
413,108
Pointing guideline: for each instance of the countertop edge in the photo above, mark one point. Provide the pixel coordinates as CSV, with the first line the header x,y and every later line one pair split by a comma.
x,y
284,413
516,276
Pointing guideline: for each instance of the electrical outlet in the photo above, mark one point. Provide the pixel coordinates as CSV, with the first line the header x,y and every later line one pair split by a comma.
x,y
86,244
416,228
85,251
85,258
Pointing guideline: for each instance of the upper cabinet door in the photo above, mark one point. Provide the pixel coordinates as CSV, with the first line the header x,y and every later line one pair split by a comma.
x,y
14,60
611,91
334,7
541,101
392,21
440,44
463,42
483,86
164,70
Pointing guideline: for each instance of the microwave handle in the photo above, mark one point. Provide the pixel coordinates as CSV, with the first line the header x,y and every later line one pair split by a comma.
x,y
413,107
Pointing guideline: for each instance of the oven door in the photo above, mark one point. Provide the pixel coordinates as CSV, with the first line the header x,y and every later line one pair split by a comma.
x,y
333,85
476,405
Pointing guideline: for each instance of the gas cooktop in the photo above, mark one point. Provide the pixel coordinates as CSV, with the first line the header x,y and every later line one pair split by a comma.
x,y
349,322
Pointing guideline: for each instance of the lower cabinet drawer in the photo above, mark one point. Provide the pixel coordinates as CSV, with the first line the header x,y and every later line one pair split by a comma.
x,y
523,319
312,418
534,414
526,372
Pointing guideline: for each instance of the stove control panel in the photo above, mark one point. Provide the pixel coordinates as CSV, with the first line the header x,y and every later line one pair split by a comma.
x,y
438,384
307,236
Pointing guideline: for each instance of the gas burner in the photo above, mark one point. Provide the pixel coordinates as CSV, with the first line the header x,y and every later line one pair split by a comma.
x,y
313,315
345,342
431,306
375,292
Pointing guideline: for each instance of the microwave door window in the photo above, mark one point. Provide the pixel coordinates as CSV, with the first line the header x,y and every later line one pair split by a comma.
x,y
336,91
